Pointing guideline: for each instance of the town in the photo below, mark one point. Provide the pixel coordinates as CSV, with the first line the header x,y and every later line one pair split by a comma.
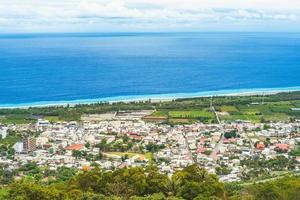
x,y
235,151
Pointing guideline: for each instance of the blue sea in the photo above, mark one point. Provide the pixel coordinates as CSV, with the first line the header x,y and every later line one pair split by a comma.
x,y
40,69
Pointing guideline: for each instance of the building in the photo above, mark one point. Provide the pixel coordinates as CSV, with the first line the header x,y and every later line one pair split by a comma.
x,y
29,144
3,132
77,147
282,147
260,146
18,147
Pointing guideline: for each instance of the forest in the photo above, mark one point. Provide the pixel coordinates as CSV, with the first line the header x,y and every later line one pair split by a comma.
x,y
193,182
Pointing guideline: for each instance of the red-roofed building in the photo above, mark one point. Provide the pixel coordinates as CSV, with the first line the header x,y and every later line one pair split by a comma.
x,y
75,147
260,146
201,150
232,140
282,147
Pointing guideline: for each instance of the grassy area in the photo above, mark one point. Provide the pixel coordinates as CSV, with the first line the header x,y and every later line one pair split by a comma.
x,y
10,140
276,107
276,117
228,109
160,113
16,119
296,104
252,118
191,114
181,121
148,156
52,118
269,111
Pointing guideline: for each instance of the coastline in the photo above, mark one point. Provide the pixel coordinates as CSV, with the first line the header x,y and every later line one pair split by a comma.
x,y
155,97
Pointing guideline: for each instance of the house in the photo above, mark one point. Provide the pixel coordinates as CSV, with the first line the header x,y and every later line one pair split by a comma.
x,y
3,132
77,147
260,146
282,147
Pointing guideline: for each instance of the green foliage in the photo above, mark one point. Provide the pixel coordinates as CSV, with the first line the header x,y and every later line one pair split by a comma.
x,y
10,140
125,183
261,167
284,188
136,183
65,173
276,108
295,152
154,147
231,134
222,170
194,182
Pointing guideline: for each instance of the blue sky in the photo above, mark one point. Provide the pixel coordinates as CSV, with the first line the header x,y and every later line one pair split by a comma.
x,y
148,15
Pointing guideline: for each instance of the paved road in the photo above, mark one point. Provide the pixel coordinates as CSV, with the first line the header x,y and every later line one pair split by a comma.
x,y
188,148
213,154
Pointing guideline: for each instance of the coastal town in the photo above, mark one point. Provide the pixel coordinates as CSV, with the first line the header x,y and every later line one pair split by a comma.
x,y
129,138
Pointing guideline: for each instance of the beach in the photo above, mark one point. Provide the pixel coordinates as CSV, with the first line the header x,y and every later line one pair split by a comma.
x,y
155,98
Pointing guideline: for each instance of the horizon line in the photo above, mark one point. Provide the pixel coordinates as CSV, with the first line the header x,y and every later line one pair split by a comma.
x,y
128,32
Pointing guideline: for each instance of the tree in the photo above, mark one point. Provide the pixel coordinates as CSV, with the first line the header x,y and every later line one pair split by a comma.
x,y
65,173
154,147
11,152
156,182
87,145
77,154
222,170
51,150
7,177
231,134
125,157
194,181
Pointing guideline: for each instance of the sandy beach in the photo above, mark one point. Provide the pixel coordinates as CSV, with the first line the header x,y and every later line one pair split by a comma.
x,y
155,97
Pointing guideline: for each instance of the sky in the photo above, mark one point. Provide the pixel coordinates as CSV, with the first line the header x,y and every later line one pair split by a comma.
x,y
18,16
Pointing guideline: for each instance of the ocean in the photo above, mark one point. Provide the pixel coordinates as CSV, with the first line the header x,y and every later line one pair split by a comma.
x,y
41,69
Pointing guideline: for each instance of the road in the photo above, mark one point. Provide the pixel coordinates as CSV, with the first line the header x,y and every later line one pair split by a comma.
x,y
188,148
215,151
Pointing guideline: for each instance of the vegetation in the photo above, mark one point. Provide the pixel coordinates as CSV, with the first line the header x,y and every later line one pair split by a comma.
x,y
190,183
295,151
231,134
286,188
260,168
254,108
133,183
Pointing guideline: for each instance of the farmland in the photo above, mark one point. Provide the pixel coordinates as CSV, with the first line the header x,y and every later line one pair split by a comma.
x,y
255,108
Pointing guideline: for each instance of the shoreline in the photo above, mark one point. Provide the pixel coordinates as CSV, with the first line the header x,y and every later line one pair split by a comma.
x,y
155,97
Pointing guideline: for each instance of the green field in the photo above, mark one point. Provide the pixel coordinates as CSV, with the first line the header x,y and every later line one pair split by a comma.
x,y
148,156
160,113
269,111
276,107
192,114
228,109
52,118
16,119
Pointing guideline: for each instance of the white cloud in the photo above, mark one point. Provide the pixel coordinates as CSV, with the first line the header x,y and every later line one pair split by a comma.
x,y
137,13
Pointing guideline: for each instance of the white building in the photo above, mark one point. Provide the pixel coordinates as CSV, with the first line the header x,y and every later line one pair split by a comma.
x,y
3,132
18,147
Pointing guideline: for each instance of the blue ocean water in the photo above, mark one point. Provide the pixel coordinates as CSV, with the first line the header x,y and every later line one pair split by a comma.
x,y
41,68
